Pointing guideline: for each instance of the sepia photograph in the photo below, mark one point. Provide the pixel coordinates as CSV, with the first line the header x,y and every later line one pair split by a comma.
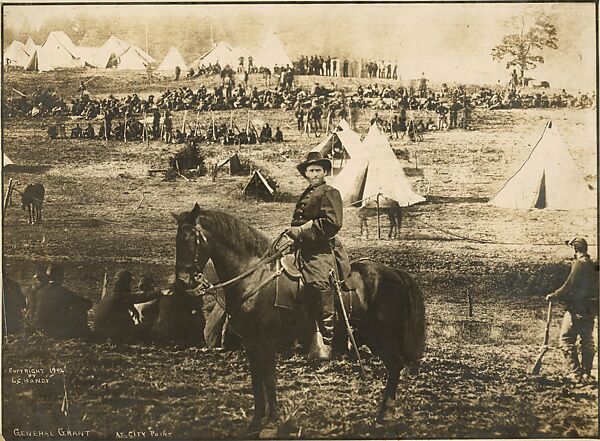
x,y
301,220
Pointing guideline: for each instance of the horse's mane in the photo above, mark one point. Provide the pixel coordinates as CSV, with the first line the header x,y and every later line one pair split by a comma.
x,y
235,232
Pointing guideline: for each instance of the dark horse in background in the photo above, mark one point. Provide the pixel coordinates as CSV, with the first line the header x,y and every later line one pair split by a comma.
x,y
32,200
391,305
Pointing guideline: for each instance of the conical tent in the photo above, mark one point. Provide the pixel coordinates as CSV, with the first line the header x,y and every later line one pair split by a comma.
x,y
221,53
15,54
172,60
374,171
57,52
272,53
340,146
30,46
134,58
549,178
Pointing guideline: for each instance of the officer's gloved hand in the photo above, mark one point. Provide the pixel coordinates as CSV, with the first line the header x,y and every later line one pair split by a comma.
x,y
294,232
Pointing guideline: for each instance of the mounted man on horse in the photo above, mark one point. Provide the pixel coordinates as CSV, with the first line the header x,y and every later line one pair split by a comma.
x,y
248,266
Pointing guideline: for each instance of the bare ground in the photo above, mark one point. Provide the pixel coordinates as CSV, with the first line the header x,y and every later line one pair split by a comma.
x,y
474,380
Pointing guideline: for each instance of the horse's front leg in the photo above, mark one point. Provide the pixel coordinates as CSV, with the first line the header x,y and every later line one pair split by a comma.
x,y
270,380
30,212
256,373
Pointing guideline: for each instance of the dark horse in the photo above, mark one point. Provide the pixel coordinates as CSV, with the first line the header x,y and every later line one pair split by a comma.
x,y
391,305
32,200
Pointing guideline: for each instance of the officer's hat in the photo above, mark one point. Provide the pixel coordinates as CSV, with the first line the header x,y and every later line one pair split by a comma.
x,y
314,158
579,243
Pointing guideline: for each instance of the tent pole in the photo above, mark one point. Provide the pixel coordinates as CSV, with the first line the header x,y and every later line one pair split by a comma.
x,y
378,221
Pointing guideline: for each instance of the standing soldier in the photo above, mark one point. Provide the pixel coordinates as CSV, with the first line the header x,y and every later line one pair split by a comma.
x,y
316,221
300,117
580,294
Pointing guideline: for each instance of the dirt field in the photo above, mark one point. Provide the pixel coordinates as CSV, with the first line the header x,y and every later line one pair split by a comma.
x,y
103,212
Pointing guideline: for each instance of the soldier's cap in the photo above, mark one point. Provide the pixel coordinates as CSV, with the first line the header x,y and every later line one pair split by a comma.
x,y
55,271
314,158
579,243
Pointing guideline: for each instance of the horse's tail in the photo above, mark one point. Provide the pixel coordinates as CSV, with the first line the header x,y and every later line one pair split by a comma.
x,y
413,332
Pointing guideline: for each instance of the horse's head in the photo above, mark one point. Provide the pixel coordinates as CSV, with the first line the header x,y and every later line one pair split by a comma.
x,y
192,248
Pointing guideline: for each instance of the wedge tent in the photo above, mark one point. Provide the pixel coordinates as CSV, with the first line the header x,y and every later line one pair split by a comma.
x,y
6,160
549,178
272,53
15,55
340,146
375,171
259,187
172,60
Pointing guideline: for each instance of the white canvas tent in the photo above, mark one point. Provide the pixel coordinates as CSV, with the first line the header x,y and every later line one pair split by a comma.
x,y
30,46
6,160
549,178
375,170
221,53
57,52
340,146
134,58
15,54
241,52
272,53
171,60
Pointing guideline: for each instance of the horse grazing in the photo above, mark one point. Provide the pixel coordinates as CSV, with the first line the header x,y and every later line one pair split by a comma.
x,y
32,199
390,306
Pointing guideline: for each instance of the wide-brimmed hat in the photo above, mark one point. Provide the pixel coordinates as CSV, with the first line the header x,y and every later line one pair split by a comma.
x,y
314,158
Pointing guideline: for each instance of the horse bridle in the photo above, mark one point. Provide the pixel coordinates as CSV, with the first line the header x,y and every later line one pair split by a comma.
x,y
205,287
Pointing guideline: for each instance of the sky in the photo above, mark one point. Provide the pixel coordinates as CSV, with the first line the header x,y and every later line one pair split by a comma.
x,y
448,42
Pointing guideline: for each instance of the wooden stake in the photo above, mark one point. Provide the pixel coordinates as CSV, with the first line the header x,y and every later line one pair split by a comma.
x,y
104,285
378,221
8,191
125,130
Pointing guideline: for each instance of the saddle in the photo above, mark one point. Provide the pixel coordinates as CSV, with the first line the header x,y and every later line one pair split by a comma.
x,y
283,298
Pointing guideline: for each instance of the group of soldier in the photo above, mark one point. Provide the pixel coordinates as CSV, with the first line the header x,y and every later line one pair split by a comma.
x,y
124,313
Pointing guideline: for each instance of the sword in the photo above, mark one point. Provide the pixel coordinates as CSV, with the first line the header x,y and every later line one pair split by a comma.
x,y
338,290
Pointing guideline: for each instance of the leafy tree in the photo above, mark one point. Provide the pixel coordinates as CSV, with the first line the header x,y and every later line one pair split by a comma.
x,y
523,49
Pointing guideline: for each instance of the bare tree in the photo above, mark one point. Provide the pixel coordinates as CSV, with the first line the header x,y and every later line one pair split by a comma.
x,y
524,48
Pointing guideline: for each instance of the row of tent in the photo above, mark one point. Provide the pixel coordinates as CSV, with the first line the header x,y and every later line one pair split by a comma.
x,y
549,178
59,52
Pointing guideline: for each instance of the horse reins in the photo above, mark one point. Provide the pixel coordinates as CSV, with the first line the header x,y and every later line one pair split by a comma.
x,y
206,287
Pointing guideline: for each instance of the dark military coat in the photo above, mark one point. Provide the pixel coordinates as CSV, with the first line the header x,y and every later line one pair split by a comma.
x,y
321,204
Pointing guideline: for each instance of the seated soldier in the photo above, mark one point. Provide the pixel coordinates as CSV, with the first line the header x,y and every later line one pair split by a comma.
x,y
13,304
52,132
179,137
266,134
180,316
252,137
88,132
76,132
115,312
60,312
278,135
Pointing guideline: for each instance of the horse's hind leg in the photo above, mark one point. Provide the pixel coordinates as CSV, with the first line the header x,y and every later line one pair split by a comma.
x,y
393,365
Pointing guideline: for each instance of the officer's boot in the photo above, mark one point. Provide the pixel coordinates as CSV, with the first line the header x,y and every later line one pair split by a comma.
x,y
321,345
